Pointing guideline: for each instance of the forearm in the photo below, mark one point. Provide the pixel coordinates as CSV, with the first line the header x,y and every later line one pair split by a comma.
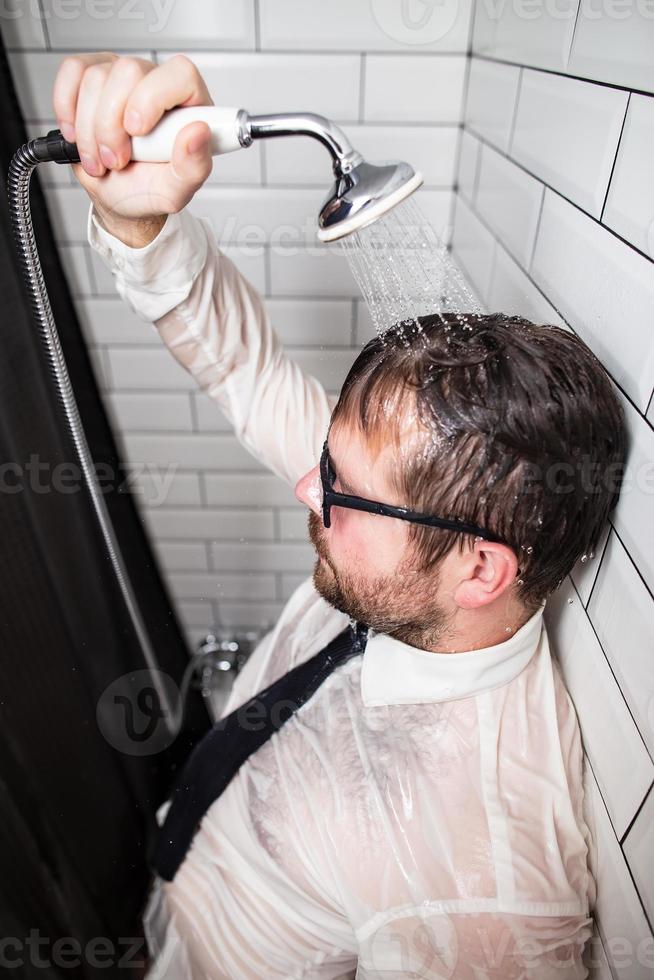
x,y
215,324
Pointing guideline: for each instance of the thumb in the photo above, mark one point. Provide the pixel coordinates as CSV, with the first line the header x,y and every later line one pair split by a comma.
x,y
191,160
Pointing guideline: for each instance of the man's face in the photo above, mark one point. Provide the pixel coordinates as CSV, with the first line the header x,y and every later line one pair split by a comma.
x,y
364,565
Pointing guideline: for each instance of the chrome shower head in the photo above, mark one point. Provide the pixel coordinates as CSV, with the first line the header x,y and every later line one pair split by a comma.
x,y
362,191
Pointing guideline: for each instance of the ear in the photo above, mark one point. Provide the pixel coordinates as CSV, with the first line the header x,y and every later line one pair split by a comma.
x,y
488,570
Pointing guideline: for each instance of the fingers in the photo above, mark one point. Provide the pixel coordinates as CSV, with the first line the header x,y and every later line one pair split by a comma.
x,y
90,93
66,88
113,141
175,83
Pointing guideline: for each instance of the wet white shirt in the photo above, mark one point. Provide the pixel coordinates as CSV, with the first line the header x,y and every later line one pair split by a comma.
x,y
421,815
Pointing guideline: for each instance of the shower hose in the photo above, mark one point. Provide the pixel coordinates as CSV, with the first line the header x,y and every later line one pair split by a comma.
x,y
53,147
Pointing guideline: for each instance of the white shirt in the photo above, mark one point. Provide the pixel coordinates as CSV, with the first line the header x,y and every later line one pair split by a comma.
x,y
421,814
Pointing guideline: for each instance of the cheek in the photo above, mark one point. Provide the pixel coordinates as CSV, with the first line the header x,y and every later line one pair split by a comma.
x,y
367,543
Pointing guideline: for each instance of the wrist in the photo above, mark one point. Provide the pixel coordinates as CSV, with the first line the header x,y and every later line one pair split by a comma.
x,y
133,232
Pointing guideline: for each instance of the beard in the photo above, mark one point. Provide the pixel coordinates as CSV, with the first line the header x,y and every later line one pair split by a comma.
x,y
402,605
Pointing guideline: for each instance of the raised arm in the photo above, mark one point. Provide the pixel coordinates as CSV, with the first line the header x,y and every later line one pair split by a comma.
x,y
214,323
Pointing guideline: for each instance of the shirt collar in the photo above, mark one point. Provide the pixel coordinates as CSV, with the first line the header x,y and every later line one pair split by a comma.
x,y
393,672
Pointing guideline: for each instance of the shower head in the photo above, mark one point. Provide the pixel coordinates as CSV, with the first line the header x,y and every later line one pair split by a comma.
x,y
362,191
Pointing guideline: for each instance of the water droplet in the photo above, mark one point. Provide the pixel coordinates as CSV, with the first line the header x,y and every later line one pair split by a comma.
x,y
570,601
583,559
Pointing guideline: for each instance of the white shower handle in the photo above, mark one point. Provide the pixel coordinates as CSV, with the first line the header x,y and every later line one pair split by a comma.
x,y
157,145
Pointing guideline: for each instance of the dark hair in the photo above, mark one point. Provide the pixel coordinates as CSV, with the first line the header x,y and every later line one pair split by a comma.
x,y
523,435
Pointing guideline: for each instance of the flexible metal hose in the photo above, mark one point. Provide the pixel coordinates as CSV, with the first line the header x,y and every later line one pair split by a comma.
x,y
26,158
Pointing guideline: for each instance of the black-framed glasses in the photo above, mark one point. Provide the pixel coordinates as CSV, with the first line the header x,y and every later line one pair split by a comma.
x,y
331,498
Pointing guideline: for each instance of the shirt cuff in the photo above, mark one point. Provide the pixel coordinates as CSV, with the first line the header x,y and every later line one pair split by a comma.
x,y
154,279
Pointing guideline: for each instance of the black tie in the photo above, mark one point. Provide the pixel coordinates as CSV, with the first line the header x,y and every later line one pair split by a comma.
x,y
218,756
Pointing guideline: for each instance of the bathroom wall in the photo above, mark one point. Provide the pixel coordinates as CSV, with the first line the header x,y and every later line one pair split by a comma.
x,y
554,219
232,537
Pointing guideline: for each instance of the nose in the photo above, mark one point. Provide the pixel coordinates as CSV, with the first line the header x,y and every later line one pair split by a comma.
x,y
308,490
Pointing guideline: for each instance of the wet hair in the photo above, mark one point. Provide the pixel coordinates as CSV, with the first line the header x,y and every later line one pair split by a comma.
x,y
520,431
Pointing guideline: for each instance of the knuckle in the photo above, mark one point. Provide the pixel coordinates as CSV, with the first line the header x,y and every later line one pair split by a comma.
x,y
185,63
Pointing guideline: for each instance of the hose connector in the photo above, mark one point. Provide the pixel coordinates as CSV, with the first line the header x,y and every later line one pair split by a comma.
x,y
54,148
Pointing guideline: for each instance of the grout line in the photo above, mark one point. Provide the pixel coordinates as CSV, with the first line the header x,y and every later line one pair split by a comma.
x,y
572,36
528,275
565,74
362,88
257,26
597,570
640,574
532,251
609,231
44,26
514,115
615,158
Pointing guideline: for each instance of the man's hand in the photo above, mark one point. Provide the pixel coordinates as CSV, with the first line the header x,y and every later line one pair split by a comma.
x,y
100,101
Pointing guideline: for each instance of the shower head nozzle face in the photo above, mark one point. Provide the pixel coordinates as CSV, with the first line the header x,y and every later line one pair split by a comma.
x,y
363,195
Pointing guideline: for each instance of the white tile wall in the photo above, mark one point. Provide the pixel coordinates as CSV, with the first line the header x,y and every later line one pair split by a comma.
x,y
586,143
198,23
616,46
604,289
490,106
630,204
339,25
566,132
537,34
408,89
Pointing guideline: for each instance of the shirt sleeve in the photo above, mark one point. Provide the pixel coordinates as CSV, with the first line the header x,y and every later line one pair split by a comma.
x,y
215,325
471,946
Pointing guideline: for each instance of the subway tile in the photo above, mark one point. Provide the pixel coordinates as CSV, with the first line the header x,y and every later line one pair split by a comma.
x,y
622,924
315,272
251,263
509,201
195,23
238,168
68,207
76,270
639,851
260,490
111,321
431,150
218,586
277,556
603,288
209,415
293,525
539,35
101,276
622,612
189,451
158,488
182,556
492,93
630,204
138,412
100,366
330,367
342,25
261,82
34,76
290,583
427,89
468,166
251,615
567,132
608,730
584,573
512,291
632,516
615,44
196,613
308,322
473,247
22,25
203,523
148,368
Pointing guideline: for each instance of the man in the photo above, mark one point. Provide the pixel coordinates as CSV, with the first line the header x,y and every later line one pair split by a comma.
x,y
421,813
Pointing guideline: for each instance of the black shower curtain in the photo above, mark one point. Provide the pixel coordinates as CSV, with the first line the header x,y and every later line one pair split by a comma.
x,y
76,813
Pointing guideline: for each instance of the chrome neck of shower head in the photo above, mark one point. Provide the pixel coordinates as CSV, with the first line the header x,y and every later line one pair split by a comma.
x,y
344,156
